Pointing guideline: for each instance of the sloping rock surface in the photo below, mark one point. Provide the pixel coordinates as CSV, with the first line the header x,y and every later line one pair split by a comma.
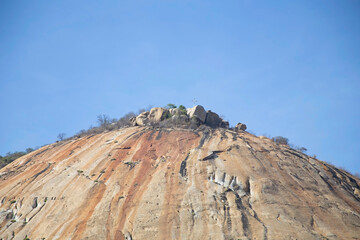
x,y
143,183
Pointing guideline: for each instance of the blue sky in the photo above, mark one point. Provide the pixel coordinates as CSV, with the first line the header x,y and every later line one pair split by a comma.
x,y
288,68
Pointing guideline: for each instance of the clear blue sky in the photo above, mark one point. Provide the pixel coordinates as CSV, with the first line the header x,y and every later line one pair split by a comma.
x,y
289,68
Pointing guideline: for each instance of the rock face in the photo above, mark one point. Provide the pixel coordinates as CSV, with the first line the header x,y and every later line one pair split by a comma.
x,y
142,183
213,120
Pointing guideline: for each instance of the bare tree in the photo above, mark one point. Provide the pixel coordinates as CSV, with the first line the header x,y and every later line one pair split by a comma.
x,y
103,120
281,140
29,150
61,136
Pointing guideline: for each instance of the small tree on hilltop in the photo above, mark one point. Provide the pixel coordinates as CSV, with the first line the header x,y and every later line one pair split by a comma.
x,y
29,150
103,120
182,108
61,136
170,105
303,149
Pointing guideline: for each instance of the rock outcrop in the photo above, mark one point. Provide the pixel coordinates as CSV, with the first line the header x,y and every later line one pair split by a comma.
x,y
213,120
143,183
185,118
197,112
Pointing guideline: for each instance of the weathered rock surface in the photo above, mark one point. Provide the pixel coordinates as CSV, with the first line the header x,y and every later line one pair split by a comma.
x,y
141,183
158,114
180,119
175,111
142,119
198,112
132,121
224,124
212,119
240,126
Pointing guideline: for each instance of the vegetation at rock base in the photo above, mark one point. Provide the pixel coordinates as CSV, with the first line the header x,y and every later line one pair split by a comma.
x,y
10,157
167,115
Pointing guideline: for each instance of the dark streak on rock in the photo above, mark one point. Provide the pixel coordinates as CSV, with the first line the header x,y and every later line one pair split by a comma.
x,y
258,219
90,136
210,157
36,212
234,146
244,219
35,203
223,135
300,155
183,170
247,187
151,135
31,158
254,154
158,137
42,171
345,185
328,184
226,207
205,136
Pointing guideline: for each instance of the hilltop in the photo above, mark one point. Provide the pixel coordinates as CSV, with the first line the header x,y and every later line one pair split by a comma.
x,y
176,174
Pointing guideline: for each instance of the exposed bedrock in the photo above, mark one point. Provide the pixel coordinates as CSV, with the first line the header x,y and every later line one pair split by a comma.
x,y
147,183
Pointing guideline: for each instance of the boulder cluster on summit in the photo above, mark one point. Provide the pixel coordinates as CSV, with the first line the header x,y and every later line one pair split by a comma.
x,y
194,116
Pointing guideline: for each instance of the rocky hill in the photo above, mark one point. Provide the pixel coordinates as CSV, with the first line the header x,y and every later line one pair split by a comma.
x,y
164,182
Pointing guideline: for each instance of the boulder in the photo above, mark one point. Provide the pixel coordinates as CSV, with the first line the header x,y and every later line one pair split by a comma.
x,y
240,126
173,111
132,121
176,111
212,119
180,119
142,119
158,114
198,112
224,124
